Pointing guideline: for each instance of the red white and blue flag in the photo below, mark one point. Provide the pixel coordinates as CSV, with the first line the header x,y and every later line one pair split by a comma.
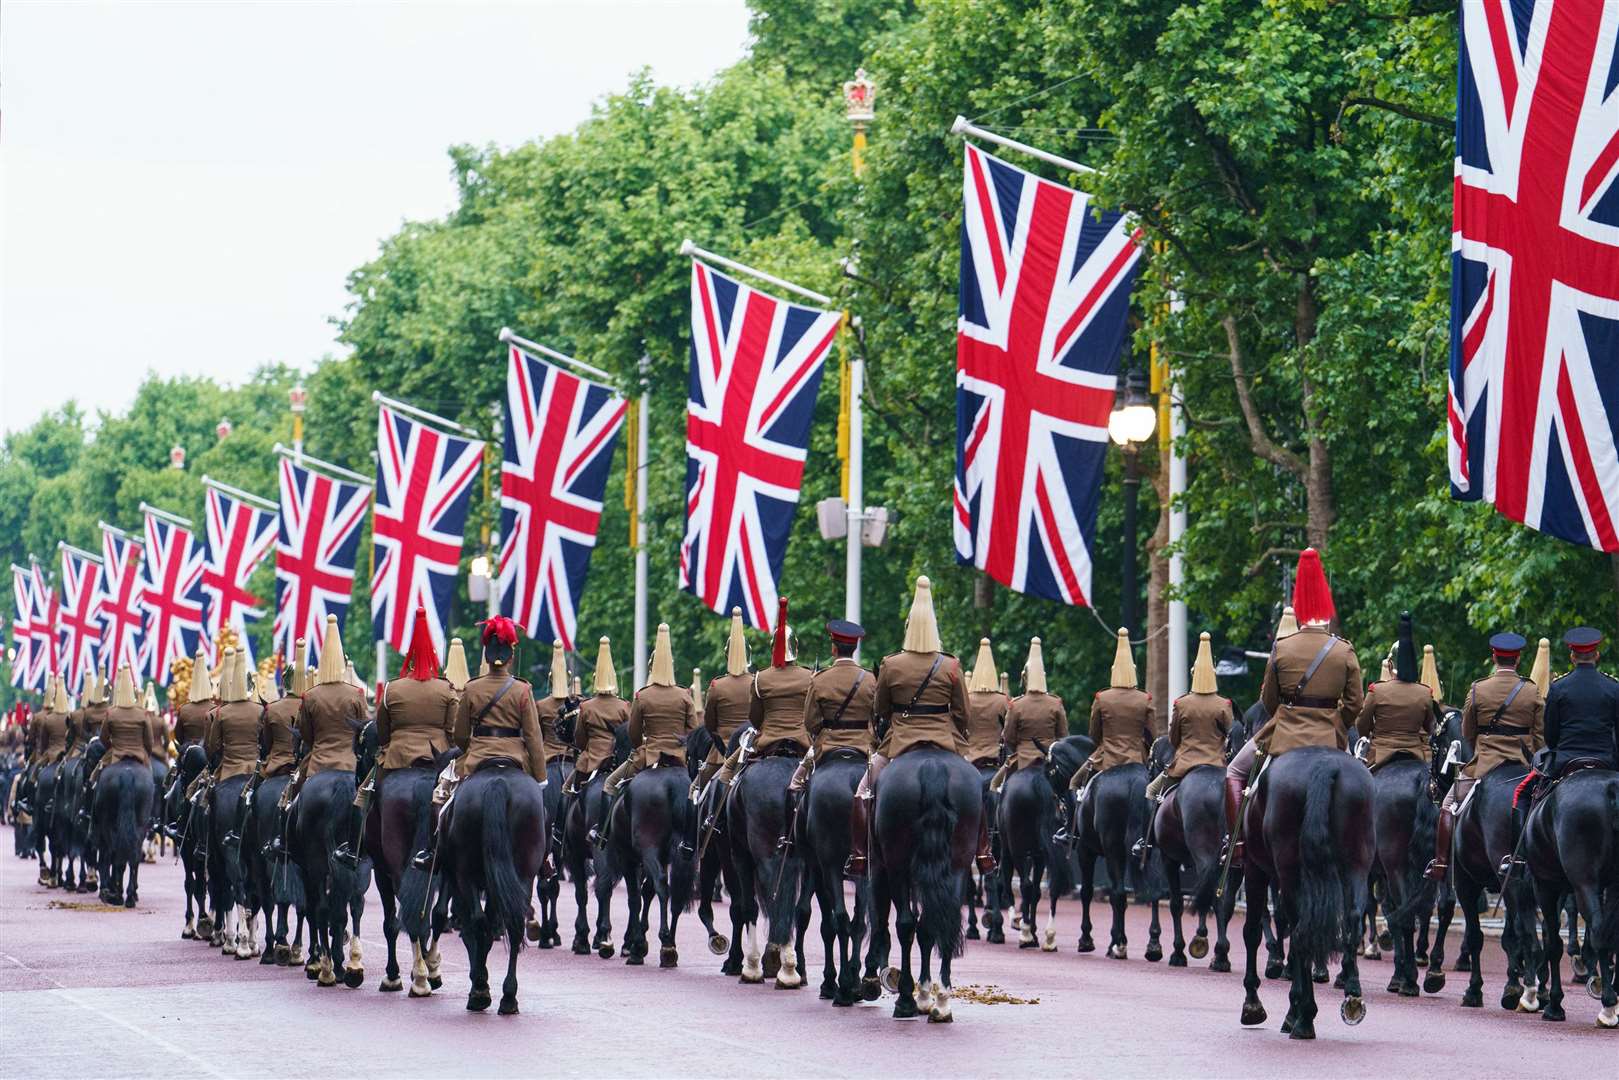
x,y
1534,326
424,485
45,657
119,608
559,436
80,627
171,596
315,550
756,364
1045,296
22,638
239,537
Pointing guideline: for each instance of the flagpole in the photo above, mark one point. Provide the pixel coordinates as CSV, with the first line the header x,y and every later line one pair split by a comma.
x,y
164,515
1178,641
238,493
963,127
689,248
507,336
378,398
316,464
640,521
857,505
63,545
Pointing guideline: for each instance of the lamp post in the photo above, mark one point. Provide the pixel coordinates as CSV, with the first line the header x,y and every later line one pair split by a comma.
x,y
222,429
177,457
859,97
1130,424
297,398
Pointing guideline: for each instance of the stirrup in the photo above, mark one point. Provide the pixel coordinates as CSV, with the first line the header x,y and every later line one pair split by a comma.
x,y
686,849
596,838
1436,870
855,866
1063,836
1140,848
345,855
232,839
422,860
784,844
1509,863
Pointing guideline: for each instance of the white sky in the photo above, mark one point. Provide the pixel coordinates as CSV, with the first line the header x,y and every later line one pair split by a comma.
x,y
184,186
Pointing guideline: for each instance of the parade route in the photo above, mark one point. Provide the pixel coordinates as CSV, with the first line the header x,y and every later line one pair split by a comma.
x,y
87,990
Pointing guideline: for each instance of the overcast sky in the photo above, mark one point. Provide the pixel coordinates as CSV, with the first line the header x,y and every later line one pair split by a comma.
x,y
186,185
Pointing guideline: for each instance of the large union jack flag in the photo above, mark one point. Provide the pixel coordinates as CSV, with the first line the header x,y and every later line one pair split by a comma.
x,y
239,537
22,639
119,607
1045,292
424,484
80,626
1534,325
559,436
171,595
315,550
756,364
44,657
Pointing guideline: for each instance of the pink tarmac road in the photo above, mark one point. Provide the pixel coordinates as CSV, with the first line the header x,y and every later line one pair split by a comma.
x,y
87,991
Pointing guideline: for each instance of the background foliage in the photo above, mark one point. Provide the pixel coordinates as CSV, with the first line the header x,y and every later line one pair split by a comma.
x,y
1291,158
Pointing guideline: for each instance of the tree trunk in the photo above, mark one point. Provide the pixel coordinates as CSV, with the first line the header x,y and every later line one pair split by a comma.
x,y
1158,601
1320,507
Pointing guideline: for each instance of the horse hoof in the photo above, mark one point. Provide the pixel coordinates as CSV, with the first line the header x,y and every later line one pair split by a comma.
x,y
1393,987
1274,969
1353,1010
719,944
188,934
936,1016
532,930
732,968
1177,959
1594,989
1320,975
1026,940
1473,999
668,957
1529,1001
311,973
633,959
1421,957
391,986
995,937
435,981
1302,1031
871,988
829,990
1253,1014
1373,953
1198,946
581,946
1118,952
1608,1017
1554,1013
1155,953
891,979
750,978
325,981
772,961
605,950
508,1007
1287,1023
478,1001
1220,963
904,1009
420,991
972,930
1385,941
1434,981
1048,943
1085,945
268,958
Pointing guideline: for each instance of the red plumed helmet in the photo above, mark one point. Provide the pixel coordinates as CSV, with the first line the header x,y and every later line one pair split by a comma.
x,y
421,662
499,628
1312,599
778,644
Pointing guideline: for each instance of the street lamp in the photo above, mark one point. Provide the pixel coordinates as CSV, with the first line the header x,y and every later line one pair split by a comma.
x,y
859,101
223,429
1130,424
297,398
177,456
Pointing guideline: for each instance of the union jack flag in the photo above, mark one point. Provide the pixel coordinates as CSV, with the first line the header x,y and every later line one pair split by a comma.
x,y
1045,292
315,550
42,621
559,436
22,659
80,626
239,537
119,608
171,595
1534,323
756,364
424,484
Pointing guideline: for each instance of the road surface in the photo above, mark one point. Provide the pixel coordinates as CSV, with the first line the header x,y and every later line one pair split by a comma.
x,y
88,991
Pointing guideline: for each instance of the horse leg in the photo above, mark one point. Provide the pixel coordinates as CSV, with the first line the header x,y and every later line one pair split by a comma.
x,y
1353,1009
391,982
1118,899
1172,872
975,891
508,985
1255,925
1155,934
746,902
1576,955
441,921
603,943
834,939
1025,935
472,931
734,958
1551,914
581,918
1445,909
668,955
1048,940
1087,888
905,922
708,871
1473,940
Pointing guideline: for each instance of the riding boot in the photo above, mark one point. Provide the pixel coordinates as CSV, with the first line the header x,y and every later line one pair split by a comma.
x,y
1143,847
711,824
1440,866
1520,815
784,843
1233,805
423,859
985,857
859,836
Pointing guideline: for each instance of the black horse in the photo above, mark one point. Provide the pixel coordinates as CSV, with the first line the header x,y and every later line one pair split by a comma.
x,y
714,865
1112,818
548,889
1028,819
154,834
413,898
823,837
275,885
188,825
1571,847
652,842
1190,831
492,847
236,919
72,858
925,825
322,817
1405,821
1309,833
585,862
767,878
44,839
120,817
992,890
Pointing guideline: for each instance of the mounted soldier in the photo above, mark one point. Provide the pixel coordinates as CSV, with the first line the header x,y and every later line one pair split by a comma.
x,y
837,712
232,742
154,718
278,725
95,708
1312,689
1199,722
329,714
600,715
987,704
1034,721
191,721
1399,715
558,710
921,700
455,667
775,706
725,706
1121,722
124,730
661,716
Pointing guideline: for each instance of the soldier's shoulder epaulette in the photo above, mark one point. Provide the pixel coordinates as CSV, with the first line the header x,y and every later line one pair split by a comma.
x,y
522,680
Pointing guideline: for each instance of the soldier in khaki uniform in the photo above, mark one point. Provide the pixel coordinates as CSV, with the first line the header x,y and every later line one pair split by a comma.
x,y
987,705
837,712
95,709
1199,722
557,708
232,742
725,707
921,699
278,725
1121,720
496,719
1035,720
191,722
599,716
329,713
1312,688
661,717
154,719
1398,716
124,730
1504,720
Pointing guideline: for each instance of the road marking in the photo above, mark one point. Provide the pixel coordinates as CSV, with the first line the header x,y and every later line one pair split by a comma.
x,y
67,995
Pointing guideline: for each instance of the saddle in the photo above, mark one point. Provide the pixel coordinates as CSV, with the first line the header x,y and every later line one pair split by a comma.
x,y
843,753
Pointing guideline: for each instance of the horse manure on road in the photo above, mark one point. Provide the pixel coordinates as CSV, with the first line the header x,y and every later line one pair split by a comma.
x,y
990,995
82,905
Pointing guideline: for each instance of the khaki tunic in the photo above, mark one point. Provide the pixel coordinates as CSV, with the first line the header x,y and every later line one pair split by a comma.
x,y
1122,724
513,715
828,689
77,726
1398,717
660,718
276,726
776,709
725,709
1198,726
49,733
94,717
1527,710
328,717
160,735
986,716
1337,680
943,724
414,721
234,738
550,711
128,737
1033,716
599,716
191,723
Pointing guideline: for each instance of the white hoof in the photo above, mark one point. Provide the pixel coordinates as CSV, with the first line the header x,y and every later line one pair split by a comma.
x,y
788,976
1530,1002
924,997
1025,936
1050,942
1017,922
1118,952
1609,1017
940,1012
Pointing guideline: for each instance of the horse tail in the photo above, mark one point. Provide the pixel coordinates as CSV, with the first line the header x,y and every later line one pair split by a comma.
x,y
1208,880
342,880
416,883
1610,910
508,899
1419,889
937,884
130,821
1322,912
1058,865
683,863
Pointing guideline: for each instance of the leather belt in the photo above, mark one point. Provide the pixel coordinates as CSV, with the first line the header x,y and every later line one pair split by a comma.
x,y
845,725
1506,729
926,710
1312,703
485,731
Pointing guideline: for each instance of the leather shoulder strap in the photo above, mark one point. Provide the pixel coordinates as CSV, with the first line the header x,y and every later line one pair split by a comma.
x,y
1507,704
511,680
837,717
1315,666
938,658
